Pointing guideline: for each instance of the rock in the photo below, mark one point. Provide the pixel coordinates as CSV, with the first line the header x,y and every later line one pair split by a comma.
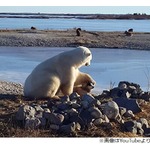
x,y
95,103
73,101
122,110
145,96
105,94
119,119
32,123
126,94
54,127
63,106
88,97
122,85
65,99
75,105
129,113
137,86
77,119
39,114
140,131
130,126
68,129
85,104
74,95
129,104
44,106
43,121
38,108
138,125
66,118
132,130
47,110
46,114
133,88
55,118
108,126
147,132
24,112
115,92
98,122
105,118
134,127
111,110
95,112
144,123
72,112
77,126
86,117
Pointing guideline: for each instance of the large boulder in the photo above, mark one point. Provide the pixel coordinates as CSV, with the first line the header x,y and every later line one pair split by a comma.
x,y
111,110
133,88
24,112
129,104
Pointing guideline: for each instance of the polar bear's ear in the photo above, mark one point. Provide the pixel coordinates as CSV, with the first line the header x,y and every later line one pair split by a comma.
x,y
87,54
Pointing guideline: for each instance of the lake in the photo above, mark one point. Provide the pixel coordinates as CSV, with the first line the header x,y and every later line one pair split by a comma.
x,y
85,24
108,66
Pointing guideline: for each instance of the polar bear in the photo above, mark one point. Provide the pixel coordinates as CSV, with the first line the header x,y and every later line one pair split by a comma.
x,y
57,73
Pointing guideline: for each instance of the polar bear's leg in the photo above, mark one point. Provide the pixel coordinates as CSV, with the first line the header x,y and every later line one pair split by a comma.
x,y
53,88
67,89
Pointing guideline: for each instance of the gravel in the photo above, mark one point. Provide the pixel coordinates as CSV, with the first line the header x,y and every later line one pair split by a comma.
x,y
11,88
68,38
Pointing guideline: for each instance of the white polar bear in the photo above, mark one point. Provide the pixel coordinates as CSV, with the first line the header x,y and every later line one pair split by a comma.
x,y
57,73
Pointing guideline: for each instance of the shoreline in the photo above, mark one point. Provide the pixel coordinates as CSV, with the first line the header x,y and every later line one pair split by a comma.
x,y
135,16
68,38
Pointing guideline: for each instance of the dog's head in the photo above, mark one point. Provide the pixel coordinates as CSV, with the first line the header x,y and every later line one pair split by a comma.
x,y
88,86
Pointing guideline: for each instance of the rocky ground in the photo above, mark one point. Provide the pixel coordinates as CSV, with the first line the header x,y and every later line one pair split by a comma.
x,y
119,112
68,38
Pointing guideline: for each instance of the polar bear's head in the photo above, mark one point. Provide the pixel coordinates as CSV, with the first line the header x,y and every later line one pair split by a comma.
x,y
85,56
78,57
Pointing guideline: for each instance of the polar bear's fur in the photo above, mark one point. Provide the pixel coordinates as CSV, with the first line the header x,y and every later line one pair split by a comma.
x,y
57,73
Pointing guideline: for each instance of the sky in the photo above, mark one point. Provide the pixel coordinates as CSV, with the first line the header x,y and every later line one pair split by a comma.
x,y
77,6
78,9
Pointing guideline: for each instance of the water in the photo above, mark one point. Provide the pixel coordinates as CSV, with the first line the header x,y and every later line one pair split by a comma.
x,y
85,24
108,65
